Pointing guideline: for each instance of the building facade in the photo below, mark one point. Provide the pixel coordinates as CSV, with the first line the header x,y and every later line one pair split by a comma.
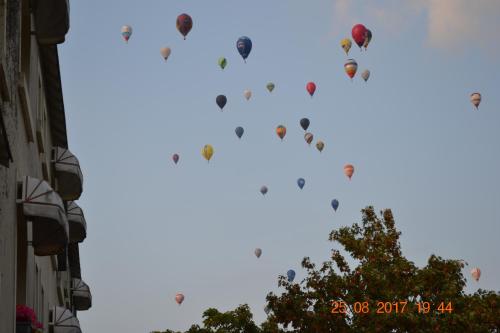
x,y
41,225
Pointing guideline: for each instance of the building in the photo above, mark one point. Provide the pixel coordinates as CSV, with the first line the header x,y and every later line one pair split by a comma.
x,y
41,225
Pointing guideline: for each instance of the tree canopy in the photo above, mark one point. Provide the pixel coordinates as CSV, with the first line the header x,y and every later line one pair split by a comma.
x,y
385,292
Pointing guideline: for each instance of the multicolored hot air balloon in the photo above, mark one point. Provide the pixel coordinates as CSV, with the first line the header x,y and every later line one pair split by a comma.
x,y
346,45
258,252
349,170
221,101
308,137
476,273
475,99
365,75
263,190
179,298
304,123
270,86
359,32
281,131
126,32
175,158
165,52
335,204
244,46
290,275
311,88
207,151
239,131
247,93
222,62
184,24
351,66
368,38
301,182
320,145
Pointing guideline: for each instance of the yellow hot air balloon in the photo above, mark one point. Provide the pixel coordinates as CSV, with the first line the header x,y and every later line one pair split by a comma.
x,y
320,145
346,45
207,152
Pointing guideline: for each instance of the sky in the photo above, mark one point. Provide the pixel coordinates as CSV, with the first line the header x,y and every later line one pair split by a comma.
x,y
418,145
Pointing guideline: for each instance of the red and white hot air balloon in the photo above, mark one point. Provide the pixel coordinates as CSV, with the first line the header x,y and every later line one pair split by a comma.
x,y
349,170
476,273
179,298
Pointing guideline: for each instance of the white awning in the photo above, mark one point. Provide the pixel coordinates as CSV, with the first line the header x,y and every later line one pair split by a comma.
x,y
82,298
63,321
43,206
77,224
68,174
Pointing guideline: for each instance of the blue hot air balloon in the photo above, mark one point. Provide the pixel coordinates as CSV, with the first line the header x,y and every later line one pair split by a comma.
x,y
304,123
244,46
335,204
291,275
239,131
301,182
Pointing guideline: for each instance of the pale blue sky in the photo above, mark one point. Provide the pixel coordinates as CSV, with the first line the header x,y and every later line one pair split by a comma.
x,y
155,228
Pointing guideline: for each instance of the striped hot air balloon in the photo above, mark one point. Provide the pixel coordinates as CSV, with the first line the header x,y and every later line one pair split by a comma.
x,y
281,131
308,137
349,170
351,66
207,152
126,32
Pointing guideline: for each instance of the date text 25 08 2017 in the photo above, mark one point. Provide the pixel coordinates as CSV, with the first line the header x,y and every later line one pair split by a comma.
x,y
380,307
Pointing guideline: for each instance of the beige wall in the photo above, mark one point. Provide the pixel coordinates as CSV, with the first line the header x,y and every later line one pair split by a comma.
x,y
30,148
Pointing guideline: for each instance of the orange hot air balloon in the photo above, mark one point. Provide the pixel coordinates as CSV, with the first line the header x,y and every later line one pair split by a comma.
x,y
281,131
476,273
349,170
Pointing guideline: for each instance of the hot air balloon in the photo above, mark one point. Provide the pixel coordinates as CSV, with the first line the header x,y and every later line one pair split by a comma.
x,y
349,170
346,45
308,137
175,158
263,190
239,131
179,298
290,275
311,88
281,131
365,75
165,52
351,66
247,93
221,101
359,34
207,152
368,38
244,46
184,24
126,32
320,145
304,123
301,182
270,86
476,273
335,204
257,252
222,62
475,99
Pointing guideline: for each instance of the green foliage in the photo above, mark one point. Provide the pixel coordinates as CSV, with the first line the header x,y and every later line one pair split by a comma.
x,y
382,276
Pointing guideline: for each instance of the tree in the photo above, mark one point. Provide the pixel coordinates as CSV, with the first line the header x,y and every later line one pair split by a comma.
x,y
385,292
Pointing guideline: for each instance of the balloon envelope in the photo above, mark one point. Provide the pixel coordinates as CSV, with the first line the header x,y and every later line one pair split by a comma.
x,y
165,52
184,24
346,45
222,62
179,298
263,190
221,101
270,86
301,182
258,252
290,275
359,34
247,93
126,32
207,151
281,131
368,38
335,204
475,99
350,67
239,131
308,137
311,88
175,158
365,75
349,170
320,145
476,273
304,123
244,46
